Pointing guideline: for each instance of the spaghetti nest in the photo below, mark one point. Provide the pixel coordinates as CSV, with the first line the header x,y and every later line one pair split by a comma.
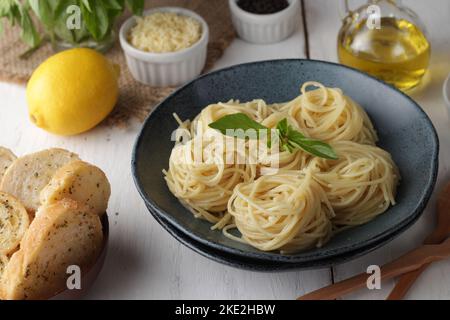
x,y
287,211
360,185
328,115
204,182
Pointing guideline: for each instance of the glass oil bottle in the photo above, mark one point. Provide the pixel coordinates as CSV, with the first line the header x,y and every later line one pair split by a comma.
x,y
386,40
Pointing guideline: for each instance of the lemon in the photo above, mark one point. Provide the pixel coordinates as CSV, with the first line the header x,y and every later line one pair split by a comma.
x,y
72,91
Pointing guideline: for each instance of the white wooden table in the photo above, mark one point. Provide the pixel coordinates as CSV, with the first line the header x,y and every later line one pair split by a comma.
x,y
145,262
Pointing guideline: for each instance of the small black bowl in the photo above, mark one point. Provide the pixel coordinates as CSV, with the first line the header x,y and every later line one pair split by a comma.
x,y
404,130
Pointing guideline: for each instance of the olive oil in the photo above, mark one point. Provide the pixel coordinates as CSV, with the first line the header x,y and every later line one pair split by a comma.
x,y
397,53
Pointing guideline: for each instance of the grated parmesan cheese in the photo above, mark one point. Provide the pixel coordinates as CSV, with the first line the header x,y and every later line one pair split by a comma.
x,y
163,32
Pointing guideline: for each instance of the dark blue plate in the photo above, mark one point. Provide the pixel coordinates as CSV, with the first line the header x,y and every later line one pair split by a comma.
x,y
404,130
255,264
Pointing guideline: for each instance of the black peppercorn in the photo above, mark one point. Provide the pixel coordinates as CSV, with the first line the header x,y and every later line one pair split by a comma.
x,y
263,6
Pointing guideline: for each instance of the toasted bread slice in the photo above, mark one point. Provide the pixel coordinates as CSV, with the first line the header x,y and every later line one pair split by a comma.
x,y
62,234
28,175
3,262
6,159
14,222
82,182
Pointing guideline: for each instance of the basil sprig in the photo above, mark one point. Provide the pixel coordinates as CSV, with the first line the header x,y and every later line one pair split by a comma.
x,y
290,139
98,18
19,14
230,124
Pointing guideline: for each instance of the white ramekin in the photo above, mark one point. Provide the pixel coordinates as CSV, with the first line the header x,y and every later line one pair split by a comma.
x,y
166,69
265,28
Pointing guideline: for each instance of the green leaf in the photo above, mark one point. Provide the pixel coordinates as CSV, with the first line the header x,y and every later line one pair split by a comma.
x,y
136,6
44,11
29,34
60,21
312,146
98,17
87,5
115,5
60,8
283,127
231,124
9,9
35,4
6,7
103,20
97,21
290,139
14,16
115,9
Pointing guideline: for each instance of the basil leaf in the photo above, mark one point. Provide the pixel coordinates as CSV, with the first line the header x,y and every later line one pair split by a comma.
x,y
235,122
115,9
44,11
29,34
98,18
60,8
103,19
312,146
283,127
34,4
60,28
6,7
289,148
14,15
97,21
290,139
87,5
136,6
114,5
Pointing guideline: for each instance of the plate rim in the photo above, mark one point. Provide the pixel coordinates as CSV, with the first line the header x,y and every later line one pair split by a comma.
x,y
259,265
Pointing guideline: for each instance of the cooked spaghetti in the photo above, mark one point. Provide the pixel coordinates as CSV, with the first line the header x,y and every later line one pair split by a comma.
x,y
258,110
204,185
306,199
328,115
287,211
360,185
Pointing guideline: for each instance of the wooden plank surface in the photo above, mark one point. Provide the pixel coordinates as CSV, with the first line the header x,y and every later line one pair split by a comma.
x,y
323,23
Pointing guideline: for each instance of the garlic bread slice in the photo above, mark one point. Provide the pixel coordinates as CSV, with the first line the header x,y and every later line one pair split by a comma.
x,y
14,222
6,159
3,262
28,175
82,182
63,234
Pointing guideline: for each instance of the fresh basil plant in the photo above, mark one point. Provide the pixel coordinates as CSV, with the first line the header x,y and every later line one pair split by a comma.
x,y
97,19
